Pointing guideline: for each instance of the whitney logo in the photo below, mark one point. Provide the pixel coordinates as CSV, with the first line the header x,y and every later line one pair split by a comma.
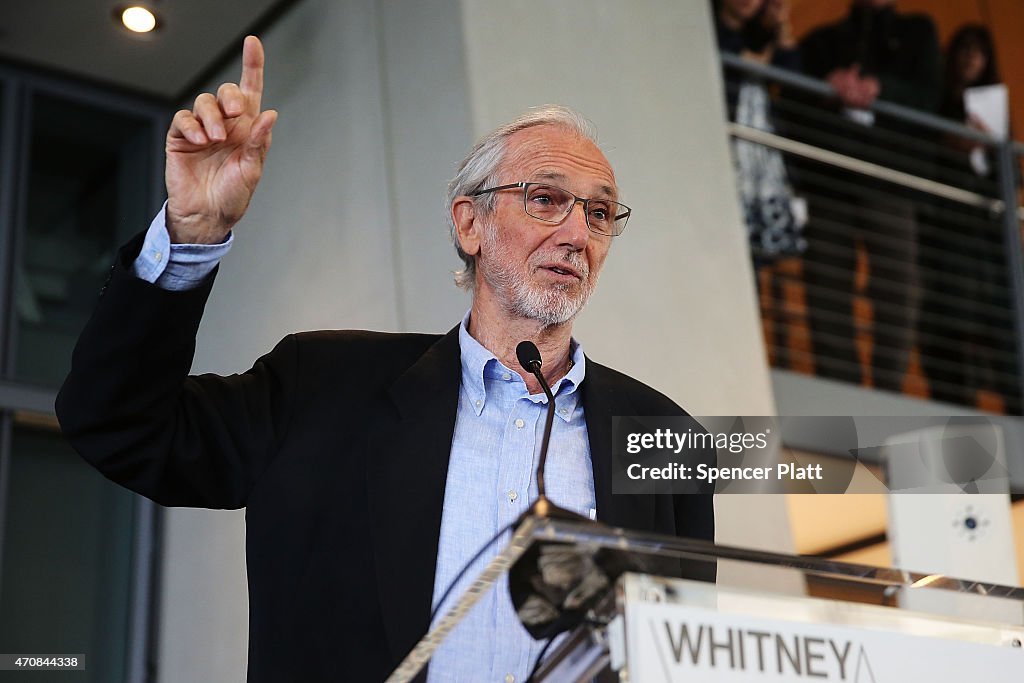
x,y
766,652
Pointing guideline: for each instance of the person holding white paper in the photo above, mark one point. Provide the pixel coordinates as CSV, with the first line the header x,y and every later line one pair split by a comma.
x,y
966,326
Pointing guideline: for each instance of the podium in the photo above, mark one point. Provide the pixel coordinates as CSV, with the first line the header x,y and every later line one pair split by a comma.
x,y
642,607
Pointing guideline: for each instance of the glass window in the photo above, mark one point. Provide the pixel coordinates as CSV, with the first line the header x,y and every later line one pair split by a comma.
x,y
66,561
89,173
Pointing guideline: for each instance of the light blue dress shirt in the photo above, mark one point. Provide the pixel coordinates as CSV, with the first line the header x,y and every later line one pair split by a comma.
x,y
498,430
176,266
491,481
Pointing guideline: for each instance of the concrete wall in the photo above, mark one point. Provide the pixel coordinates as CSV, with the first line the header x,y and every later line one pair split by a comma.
x,y
378,101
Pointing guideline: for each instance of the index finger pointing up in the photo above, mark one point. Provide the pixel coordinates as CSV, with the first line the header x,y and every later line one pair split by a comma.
x,y
252,72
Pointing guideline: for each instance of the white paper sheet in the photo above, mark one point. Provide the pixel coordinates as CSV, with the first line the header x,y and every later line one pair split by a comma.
x,y
990,103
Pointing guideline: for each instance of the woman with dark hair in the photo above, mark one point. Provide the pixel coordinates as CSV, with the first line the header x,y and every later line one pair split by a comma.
x,y
970,62
966,330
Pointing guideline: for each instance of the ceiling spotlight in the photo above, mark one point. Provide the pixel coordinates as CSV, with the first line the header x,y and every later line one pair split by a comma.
x,y
138,19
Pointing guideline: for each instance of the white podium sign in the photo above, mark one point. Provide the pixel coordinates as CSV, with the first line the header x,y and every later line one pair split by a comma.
x,y
672,641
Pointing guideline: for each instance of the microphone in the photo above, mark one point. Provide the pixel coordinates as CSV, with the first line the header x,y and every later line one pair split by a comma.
x,y
529,357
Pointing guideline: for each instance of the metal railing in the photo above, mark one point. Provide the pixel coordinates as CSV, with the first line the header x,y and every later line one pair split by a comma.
x,y
910,253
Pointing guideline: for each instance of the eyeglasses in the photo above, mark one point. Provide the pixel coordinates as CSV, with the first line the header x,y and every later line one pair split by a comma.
x,y
552,204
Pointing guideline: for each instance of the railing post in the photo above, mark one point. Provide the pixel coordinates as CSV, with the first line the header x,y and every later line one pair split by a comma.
x,y
1012,243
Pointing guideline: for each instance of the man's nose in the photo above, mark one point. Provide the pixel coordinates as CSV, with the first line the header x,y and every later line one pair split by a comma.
x,y
574,231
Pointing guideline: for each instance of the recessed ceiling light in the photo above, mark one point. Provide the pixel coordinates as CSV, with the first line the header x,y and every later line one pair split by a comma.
x,y
138,19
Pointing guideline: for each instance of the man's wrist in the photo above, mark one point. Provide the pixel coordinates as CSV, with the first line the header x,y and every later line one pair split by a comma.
x,y
195,229
176,266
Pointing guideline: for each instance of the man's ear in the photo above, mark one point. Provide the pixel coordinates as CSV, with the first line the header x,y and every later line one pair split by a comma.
x,y
468,229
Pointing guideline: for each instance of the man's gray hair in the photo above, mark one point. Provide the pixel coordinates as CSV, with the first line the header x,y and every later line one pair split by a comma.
x,y
479,170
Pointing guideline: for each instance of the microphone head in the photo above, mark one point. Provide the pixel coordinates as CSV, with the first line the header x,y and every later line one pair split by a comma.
x,y
529,356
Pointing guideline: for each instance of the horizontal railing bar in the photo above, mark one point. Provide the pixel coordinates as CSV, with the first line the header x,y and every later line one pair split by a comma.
x,y
898,111
867,168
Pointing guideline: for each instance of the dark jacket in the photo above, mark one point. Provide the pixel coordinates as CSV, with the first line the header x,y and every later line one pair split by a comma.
x,y
900,50
337,445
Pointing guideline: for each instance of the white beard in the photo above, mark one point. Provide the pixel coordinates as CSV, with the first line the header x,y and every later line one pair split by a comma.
x,y
555,304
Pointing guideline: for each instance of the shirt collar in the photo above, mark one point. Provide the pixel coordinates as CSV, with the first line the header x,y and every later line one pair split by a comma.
x,y
478,361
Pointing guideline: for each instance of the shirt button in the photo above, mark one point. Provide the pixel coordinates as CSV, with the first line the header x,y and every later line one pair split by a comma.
x,y
476,403
507,376
512,495
509,678
157,256
564,411
519,423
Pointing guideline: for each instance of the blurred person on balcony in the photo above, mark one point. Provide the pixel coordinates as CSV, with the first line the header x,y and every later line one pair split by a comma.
x,y
874,53
966,331
760,31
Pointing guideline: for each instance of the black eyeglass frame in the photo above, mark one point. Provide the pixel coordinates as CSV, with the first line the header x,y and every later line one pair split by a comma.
x,y
525,186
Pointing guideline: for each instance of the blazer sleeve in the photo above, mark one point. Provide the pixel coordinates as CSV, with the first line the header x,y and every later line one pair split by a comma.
x,y
130,409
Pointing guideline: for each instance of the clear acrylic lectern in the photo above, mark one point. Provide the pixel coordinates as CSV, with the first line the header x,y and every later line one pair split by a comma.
x,y
641,607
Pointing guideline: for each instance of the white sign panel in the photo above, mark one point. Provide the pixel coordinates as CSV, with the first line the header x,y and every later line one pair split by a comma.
x,y
666,643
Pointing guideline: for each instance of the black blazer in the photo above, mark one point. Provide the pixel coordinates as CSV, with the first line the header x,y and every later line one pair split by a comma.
x,y
337,445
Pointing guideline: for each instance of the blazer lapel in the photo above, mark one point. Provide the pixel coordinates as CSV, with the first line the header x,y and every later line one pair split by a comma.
x,y
407,468
603,400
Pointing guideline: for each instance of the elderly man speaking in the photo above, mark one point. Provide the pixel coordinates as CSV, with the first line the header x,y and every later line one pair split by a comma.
x,y
372,466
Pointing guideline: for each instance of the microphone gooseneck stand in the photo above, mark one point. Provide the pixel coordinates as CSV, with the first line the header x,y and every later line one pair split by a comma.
x,y
529,357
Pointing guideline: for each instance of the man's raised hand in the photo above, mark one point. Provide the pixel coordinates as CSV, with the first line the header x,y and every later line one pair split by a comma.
x,y
215,155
